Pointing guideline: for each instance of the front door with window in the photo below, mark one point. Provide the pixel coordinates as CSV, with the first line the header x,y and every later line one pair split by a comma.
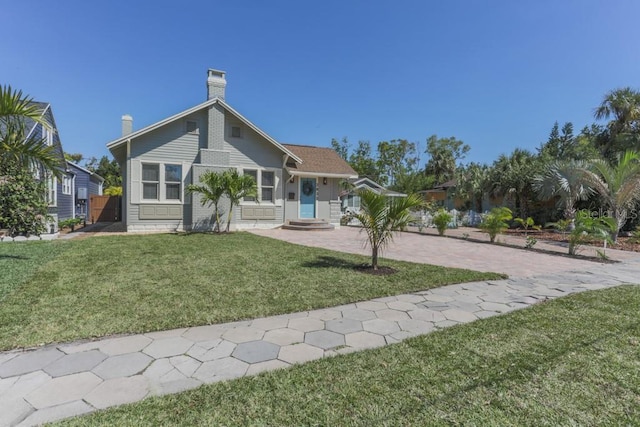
x,y
307,198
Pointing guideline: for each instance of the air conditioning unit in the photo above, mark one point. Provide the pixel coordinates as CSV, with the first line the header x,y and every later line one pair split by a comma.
x,y
82,193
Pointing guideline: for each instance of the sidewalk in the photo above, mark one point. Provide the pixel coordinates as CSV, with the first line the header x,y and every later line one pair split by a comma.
x,y
70,379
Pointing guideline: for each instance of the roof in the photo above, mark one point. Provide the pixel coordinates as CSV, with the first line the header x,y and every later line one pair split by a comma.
x,y
117,142
366,183
444,185
77,166
319,161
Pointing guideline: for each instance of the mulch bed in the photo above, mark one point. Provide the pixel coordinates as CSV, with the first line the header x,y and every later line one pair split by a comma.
x,y
624,243
381,271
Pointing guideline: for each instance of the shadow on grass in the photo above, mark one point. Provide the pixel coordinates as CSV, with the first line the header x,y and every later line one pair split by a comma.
x,y
325,261
14,257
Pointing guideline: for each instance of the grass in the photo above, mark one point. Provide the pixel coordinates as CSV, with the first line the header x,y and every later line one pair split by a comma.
x,y
571,361
130,284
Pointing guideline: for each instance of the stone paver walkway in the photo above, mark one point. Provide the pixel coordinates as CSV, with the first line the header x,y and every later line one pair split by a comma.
x,y
76,378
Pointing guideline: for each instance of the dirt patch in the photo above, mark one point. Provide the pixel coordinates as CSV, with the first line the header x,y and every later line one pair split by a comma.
x,y
623,244
381,271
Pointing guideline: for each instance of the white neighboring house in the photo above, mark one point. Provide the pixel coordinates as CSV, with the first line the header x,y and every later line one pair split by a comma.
x,y
350,200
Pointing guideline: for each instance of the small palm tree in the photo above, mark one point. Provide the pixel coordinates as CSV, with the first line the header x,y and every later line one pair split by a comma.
x,y
617,184
381,216
495,222
237,187
567,181
211,190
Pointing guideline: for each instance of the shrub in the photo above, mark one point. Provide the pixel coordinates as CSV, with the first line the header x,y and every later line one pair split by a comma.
x,y
588,228
23,207
495,222
69,223
526,224
441,220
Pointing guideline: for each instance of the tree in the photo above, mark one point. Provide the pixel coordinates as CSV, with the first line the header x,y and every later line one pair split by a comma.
x,y
396,158
495,222
444,154
362,161
382,216
567,181
29,153
617,184
211,190
622,106
73,157
341,147
472,183
107,169
512,178
237,187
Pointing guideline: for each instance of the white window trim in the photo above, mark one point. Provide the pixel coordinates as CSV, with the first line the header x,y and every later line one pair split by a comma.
x,y
47,135
52,191
162,189
277,197
66,185
193,132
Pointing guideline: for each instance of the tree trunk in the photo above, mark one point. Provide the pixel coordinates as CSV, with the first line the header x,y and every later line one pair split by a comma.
x,y
229,217
374,257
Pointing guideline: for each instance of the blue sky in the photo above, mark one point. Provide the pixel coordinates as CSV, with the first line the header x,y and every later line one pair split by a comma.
x,y
495,74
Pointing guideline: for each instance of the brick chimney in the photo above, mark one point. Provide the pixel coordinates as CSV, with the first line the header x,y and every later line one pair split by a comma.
x,y
216,83
127,125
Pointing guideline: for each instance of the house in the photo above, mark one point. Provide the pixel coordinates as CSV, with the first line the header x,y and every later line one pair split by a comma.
x,y
84,183
160,160
444,195
350,201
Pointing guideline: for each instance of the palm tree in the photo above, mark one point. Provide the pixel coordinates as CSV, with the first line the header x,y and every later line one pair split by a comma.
x,y
565,180
15,148
617,184
623,107
512,177
381,216
237,187
211,190
472,182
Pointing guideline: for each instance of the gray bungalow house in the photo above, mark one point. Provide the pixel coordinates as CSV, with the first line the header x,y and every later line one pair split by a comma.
x,y
159,160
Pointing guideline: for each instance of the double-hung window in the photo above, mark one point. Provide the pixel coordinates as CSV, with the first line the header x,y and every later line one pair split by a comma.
x,y
266,183
52,194
47,135
66,185
161,182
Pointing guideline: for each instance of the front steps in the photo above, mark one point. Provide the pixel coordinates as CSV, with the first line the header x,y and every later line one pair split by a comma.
x,y
308,225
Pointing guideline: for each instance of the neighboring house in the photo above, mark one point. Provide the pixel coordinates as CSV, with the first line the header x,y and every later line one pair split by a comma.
x,y
350,198
84,184
158,161
444,195
62,194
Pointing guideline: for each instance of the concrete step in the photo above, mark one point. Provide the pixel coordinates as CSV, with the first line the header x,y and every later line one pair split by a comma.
x,y
308,224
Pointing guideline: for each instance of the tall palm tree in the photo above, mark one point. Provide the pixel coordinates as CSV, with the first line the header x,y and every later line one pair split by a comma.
x,y
622,106
381,216
211,190
16,110
617,184
565,180
472,182
237,187
512,177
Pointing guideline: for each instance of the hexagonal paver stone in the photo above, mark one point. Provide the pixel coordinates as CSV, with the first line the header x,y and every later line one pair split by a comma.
x,y
494,306
124,365
284,336
56,413
411,298
344,326
269,365
269,323
29,362
381,326
395,315
12,410
306,324
459,315
427,315
300,353
438,298
358,314
118,391
256,351
371,305
168,347
401,306
124,345
63,390
325,314
324,339
205,333
76,362
221,369
243,334
211,350
418,327
364,340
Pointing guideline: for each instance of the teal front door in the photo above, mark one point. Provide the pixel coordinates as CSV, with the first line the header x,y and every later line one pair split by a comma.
x,y
307,198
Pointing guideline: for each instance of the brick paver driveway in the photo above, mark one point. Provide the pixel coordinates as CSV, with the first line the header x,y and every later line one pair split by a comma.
x,y
438,250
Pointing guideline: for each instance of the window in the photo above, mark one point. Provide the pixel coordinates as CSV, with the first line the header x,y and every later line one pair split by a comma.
x,y
52,194
173,181
150,181
254,174
267,186
266,182
66,185
236,132
192,126
161,182
47,135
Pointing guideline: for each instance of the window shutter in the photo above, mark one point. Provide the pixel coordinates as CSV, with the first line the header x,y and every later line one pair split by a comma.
x,y
135,174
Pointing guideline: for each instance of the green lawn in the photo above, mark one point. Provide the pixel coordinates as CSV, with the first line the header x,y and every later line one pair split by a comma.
x,y
572,361
124,284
